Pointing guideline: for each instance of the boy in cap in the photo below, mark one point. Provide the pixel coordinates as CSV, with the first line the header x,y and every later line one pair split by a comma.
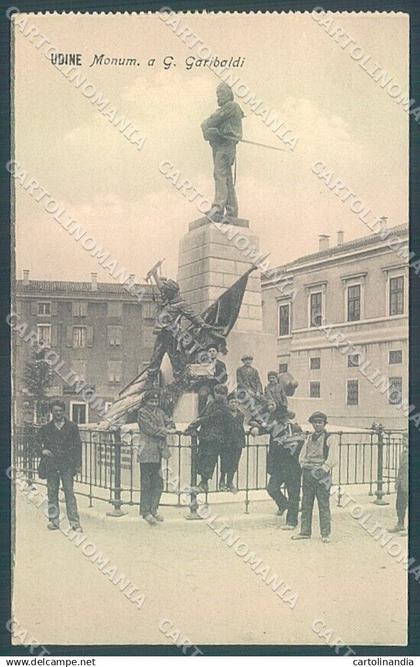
x,y
274,390
234,443
154,427
248,378
213,426
317,459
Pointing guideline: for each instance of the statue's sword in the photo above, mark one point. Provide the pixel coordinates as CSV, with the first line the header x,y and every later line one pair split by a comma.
x,y
256,143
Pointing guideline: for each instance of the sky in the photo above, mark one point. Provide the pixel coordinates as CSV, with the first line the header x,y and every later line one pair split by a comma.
x,y
117,193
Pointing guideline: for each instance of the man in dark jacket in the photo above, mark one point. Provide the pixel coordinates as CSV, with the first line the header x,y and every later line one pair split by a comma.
x,y
223,130
286,441
60,447
213,425
248,378
233,444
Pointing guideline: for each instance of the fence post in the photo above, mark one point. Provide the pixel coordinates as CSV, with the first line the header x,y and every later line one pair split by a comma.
x,y
116,490
379,493
194,505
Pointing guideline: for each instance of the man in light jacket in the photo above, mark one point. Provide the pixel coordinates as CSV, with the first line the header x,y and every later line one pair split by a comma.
x,y
317,459
154,427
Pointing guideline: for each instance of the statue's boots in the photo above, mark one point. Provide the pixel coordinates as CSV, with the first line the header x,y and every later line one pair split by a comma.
x,y
215,214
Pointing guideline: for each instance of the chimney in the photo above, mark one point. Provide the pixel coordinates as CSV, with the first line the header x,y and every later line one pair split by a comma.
x,y
340,237
26,277
324,242
132,278
94,282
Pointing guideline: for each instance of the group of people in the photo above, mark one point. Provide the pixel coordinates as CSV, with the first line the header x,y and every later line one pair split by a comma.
x,y
298,464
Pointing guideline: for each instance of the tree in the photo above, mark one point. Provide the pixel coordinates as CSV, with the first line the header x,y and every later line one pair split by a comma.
x,y
37,377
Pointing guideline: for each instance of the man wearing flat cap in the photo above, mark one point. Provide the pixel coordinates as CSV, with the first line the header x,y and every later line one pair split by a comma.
x,y
248,378
223,130
317,460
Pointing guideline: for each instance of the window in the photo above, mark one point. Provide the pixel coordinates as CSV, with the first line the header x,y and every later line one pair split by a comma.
x,y
115,309
315,363
315,309
44,308
395,390
395,357
352,392
114,335
79,308
79,413
353,360
114,371
79,336
396,295
353,303
283,368
44,334
315,389
284,319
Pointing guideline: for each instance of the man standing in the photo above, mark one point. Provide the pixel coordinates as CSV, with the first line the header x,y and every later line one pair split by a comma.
x,y
223,130
60,447
317,459
248,378
213,425
154,427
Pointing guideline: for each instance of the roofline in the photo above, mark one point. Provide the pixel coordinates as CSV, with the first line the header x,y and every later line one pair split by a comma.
x,y
334,253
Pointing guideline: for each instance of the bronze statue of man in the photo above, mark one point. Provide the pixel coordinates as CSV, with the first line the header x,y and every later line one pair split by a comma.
x,y
223,130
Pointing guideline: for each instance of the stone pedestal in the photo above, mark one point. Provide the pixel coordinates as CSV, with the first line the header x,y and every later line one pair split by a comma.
x,y
212,256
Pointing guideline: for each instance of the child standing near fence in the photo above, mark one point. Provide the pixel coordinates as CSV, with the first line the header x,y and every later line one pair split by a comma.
x,y
234,442
317,459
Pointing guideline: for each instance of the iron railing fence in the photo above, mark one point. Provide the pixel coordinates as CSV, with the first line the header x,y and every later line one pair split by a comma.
x,y
110,471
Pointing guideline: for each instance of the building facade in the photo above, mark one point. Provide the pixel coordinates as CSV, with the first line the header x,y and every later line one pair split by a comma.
x,y
341,317
101,333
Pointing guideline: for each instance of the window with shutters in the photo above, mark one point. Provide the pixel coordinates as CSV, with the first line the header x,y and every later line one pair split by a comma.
x,y
284,319
315,389
115,309
44,334
79,308
315,309
396,295
44,308
352,392
353,303
114,336
79,337
114,371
